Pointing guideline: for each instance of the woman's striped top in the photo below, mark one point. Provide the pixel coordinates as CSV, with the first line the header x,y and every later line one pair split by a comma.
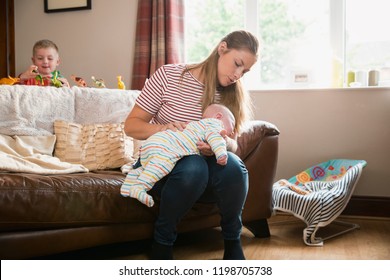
x,y
171,96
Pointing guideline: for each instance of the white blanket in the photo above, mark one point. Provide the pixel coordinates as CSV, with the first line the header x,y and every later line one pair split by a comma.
x,y
32,110
28,113
33,154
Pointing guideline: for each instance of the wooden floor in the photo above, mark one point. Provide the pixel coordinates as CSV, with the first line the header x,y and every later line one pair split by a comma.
x,y
370,242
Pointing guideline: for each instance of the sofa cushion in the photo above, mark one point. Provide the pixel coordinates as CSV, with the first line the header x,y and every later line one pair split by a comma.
x,y
96,146
32,201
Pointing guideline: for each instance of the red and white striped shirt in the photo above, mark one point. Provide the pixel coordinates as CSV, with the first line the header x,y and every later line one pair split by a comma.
x,y
171,97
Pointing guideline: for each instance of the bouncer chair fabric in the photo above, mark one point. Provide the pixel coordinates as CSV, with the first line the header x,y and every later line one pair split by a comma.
x,y
318,195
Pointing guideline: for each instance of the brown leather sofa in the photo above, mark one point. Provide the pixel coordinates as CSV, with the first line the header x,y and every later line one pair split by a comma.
x,y
47,214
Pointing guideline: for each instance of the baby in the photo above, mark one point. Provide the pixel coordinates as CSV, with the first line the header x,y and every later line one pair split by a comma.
x,y
160,152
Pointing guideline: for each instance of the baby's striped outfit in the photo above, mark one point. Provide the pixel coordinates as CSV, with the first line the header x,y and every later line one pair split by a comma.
x,y
160,152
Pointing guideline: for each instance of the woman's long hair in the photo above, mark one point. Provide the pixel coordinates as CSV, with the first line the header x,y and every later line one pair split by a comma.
x,y
233,96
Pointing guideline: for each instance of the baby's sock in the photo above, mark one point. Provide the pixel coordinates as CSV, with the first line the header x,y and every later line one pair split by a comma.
x,y
130,180
139,193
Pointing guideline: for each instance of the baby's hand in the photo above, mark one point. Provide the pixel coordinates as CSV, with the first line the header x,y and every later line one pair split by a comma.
x,y
222,160
223,133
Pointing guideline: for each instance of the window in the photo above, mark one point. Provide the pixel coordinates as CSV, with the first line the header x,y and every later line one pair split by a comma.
x,y
305,43
207,21
367,40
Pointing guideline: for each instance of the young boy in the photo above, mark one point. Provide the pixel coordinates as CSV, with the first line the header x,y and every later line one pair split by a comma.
x,y
45,60
160,152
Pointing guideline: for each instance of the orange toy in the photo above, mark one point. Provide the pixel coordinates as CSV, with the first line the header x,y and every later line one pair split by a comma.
x,y
9,81
79,81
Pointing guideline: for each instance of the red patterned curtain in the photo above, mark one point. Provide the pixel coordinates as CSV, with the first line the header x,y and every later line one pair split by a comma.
x,y
159,37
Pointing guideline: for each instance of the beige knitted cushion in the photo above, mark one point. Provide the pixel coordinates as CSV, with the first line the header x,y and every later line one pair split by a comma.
x,y
96,146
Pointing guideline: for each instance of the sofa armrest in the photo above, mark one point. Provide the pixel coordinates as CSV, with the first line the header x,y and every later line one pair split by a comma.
x,y
258,148
253,134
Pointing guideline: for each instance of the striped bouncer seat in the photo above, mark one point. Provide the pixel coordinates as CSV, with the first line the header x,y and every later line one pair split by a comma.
x,y
318,195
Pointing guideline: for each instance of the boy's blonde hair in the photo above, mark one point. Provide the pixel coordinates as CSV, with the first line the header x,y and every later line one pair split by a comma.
x,y
44,44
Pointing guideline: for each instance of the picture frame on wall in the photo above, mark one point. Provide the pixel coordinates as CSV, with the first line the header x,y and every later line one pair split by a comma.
x,y
55,6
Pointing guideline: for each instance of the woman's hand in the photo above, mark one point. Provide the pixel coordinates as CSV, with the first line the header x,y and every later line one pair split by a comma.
x,y
138,126
204,149
174,126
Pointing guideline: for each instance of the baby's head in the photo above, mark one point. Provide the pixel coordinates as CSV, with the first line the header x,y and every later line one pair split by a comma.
x,y
45,56
221,112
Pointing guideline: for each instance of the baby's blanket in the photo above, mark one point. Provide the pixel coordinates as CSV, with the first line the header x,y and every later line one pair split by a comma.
x,y
318,195
33,154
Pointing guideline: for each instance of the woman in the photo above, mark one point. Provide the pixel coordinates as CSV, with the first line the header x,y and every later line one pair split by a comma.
x,y
176,94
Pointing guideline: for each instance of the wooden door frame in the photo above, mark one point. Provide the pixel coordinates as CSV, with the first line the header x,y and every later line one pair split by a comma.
x,y
7,28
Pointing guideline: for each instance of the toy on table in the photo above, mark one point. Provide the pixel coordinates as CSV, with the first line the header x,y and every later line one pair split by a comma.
x,y
39,80
79,81
9,81
121,84
54,80
99,83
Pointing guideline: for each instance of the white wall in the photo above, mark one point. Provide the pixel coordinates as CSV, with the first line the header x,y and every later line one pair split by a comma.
x,y
318,125
97,42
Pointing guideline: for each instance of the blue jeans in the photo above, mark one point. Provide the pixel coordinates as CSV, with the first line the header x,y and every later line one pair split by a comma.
x,y
197,178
